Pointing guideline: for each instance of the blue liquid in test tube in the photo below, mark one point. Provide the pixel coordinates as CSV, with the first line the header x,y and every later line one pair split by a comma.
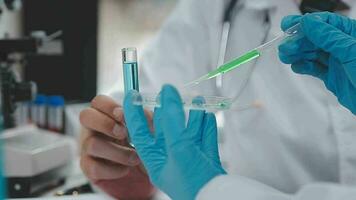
x,y
130,67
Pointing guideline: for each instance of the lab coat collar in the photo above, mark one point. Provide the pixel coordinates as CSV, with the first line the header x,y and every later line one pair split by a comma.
x,y
260,4
277,9
267,4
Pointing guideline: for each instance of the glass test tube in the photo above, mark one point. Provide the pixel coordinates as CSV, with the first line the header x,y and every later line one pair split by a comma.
x,y
130,67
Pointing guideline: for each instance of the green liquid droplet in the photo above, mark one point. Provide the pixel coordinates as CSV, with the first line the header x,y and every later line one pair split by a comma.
x,y
222,105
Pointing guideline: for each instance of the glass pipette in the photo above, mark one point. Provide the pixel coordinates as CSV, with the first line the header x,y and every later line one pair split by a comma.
x,y
247,57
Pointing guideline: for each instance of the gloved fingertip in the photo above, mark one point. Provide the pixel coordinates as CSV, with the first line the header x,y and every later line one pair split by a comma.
x,y
282,48
198,101
196,115
135,119
301,68
296,68
288,52
131,97
132,105
169,94
284,58
307,19
310,21
290,46
169,88
290,21
173,121
211,118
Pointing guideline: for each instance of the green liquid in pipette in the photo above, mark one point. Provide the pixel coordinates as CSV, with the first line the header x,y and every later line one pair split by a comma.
x,y
247,57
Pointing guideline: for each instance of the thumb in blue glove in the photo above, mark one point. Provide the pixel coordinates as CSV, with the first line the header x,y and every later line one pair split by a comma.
x,y
327,51
179,159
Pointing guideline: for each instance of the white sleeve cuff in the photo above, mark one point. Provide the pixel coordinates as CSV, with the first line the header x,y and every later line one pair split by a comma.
x,y
235,187
161,196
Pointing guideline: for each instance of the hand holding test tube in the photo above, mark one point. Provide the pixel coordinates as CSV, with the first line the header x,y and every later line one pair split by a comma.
x,y
131,82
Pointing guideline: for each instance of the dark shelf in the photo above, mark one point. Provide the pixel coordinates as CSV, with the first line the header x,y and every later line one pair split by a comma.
x,y
74,73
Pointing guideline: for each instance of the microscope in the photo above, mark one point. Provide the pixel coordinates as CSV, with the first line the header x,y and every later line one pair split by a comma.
x,y
35,160
13,91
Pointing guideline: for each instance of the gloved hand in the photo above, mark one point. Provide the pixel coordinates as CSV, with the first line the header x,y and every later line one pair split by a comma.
x,y
327,51
106,157
180,160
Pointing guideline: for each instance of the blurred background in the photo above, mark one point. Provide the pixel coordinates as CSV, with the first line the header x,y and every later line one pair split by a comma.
x,y
125,23
89,50
55,56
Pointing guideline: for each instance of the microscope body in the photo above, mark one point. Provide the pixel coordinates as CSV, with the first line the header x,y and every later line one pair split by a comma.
x,y
12,90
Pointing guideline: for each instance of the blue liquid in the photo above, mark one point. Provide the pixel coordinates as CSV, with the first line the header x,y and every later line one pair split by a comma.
x,y
131,77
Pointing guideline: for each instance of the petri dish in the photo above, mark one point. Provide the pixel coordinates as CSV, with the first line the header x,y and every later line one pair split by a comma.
x,y
211,103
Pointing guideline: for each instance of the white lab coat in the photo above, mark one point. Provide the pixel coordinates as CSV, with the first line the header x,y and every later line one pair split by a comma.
x,y
299,144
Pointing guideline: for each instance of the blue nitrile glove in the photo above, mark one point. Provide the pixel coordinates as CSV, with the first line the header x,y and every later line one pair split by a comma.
x,y
327,51
179,159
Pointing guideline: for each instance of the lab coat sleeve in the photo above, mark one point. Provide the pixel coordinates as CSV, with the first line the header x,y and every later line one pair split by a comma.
x,y
238,187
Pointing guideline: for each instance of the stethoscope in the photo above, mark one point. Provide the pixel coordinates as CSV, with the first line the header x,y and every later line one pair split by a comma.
x,y
228,16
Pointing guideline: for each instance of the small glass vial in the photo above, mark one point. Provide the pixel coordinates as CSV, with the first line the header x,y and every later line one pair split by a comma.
x,y
39,111
56,114
22,113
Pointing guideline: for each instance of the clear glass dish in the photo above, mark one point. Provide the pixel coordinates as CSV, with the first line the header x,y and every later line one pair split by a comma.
x,y
212,103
